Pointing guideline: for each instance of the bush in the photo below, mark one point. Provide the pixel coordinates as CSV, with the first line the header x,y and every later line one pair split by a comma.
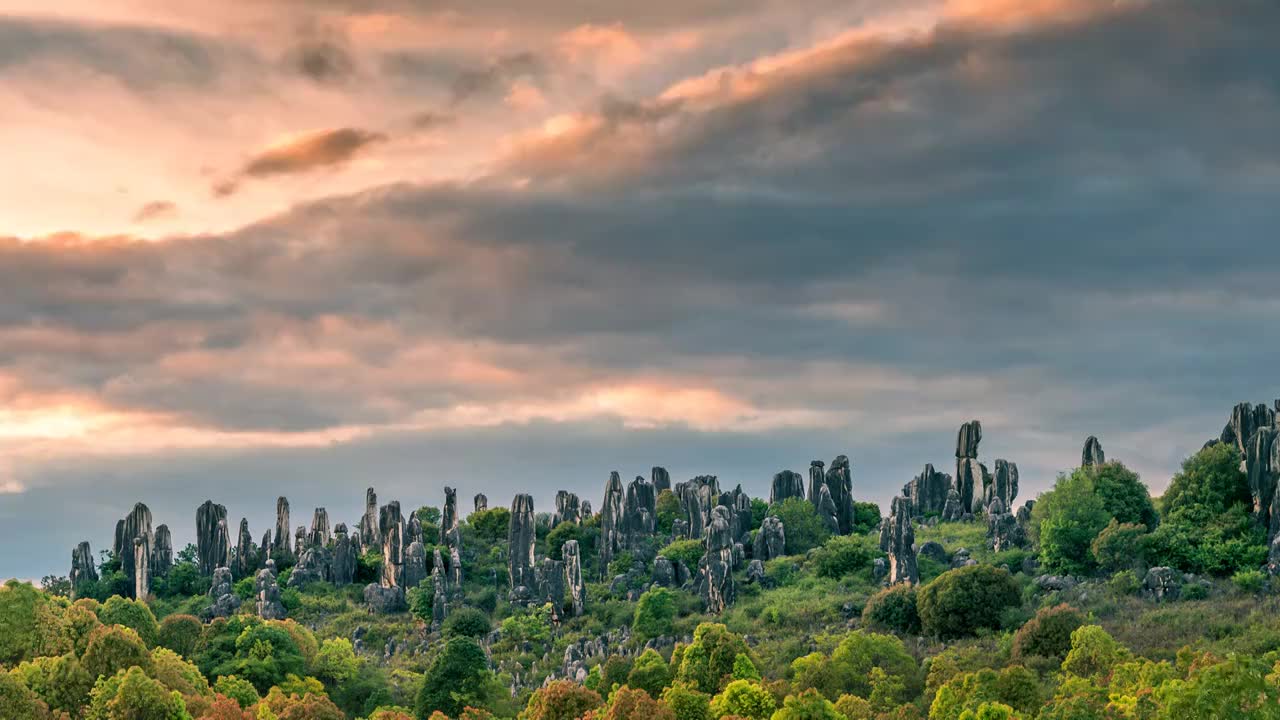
x,y
800,522
1124,583
633,704
1118,546
866,517
242,691
893,608
466,622
113,648
1048,634
966,600
688,552
1250,581
655,614
1194,591
650,673
561,700
458,677
708,660
180,633
744,699
841,556
1065,521
686,702
1124,496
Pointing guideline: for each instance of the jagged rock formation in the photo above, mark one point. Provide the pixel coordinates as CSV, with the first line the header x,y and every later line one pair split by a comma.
x,y
716,567
551,585
281,545
439,600
83,569
786,484
415,564
934,551
584,509
455,570
481,502
213,542
521,571
575,587
612,524
1092,455
267,592
312,567
826,510
384,600
953,510
299,540
567,508
449,534
640,510
1004,484
1162,583
1003,531
391,528
413,531
738,503
222,592
135,526
901,543
162,552
1246,419
771,541
369,526
664,572
755,573
928,492
970,474
1262,478
320,533
839,480
245,561
661,479
817,480
697,498
342,570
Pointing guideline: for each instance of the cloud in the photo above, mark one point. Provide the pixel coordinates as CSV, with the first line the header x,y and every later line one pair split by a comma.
x,y
307,153
155,210
501,75
324,61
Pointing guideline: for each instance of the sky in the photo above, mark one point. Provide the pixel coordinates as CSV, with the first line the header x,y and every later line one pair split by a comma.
x,y
302,247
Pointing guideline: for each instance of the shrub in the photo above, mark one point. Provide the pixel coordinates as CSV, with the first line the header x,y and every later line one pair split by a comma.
x,y
688,552
893,608
113,648
803,528
686,702
1048,634
650,673
1123,495
667,510
849,669
633,704
655,614
1194,591
808,705
466,622
1118,546
1250,581
708,660
866,517
132,694
1124,583
1065,521
963,601
242,691
180,633
841,556
561,700
744,699
458,677
1093,652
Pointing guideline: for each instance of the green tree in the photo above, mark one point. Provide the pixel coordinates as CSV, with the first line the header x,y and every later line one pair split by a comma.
x,y
686,702
808,705
842,555
744,669
1123,495
561,700
1048,634
132,695
458,677
688,552
336,663
1119,546
242,691
180,633
635,704
848,670
650,673
1065,521
963,601
803,528
60,682
562,533
1014,687
655,614
30,623
744,699
893,608
667,510
265,654
18,701
490,526
171,670
1238,687
113,648
466,622
132,614
708,661
1093,652
1209,483
866,517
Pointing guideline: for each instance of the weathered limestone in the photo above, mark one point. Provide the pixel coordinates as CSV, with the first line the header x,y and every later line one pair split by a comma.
x,y
454,574
481,502
661,479
346,556
584,509
817,479
320,533
1246,419
415,564
1004,484
551,585
771,541
135,525
575,586
413,530
697,498
716,567
267,593
953,510
391,527
612,523
928,492
901,541
967,439
970,474
299,540
83,570
282,546
1257,465
839,481
162,551
567,508
1162,583
383,600
312,567
450,536
826,509
640,510
439,600
755,573
738,503
786,484
521,571
1003,530
370,528
222,592
141,567
1092,455
213,545
245,562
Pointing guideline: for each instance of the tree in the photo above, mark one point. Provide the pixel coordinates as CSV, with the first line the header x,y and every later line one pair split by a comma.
x,y
686,702
1119,546
113,648
132,695
744,669
175,673
1065,521
242,691
893,608
309,706
965,695
853,707
562,533
30,622
803,528
18,701
60,682
635,704
78,623
336,663
687,552
866,517
963,601
1093,652
1210,482
466,622
57,585
655,614
458,677
667,510
808,705
1048,634
650,673
225,708
180,633
848,670
265,654
708,661
561,700
745,699
842,555
1239,687
132,614
490,526
1123,495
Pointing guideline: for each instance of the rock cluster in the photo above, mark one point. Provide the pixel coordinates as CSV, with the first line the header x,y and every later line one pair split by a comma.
x,y
839,481
320,534
568,508
342,571
222,593
369,527
1003,485
771,541
267,593
928,492
134,543
628,518
213,538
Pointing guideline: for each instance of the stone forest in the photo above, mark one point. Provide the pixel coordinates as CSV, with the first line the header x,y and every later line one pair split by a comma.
x,y
690,601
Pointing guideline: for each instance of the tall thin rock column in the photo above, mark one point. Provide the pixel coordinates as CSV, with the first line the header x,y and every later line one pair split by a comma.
x,y
282,545
817,480
392,528
970,474
901,542
661,479
212,542
449,535
481,503
716,566
135,526
521,568
83,570
840,483
370,532
320,534
612,526
575,587
141,567
786,484
1092,455
162,551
